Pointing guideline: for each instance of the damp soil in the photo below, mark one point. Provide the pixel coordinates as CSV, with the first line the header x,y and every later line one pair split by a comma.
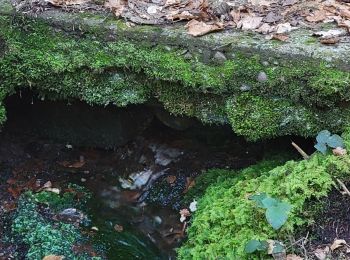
x,y
142,223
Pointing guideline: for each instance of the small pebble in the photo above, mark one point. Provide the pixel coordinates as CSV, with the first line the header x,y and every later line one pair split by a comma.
x,y
262,77
83,180
188,56
219,57
245,87
94,228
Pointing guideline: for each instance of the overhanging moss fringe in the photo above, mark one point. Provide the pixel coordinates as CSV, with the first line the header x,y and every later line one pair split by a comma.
x,y
298,97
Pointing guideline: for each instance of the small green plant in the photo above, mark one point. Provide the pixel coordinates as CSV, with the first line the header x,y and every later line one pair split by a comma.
x,y
326,139
276,215
276,211
271,246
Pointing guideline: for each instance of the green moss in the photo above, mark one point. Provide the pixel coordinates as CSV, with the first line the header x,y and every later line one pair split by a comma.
x,y
62,66
41,235
226,220
257,117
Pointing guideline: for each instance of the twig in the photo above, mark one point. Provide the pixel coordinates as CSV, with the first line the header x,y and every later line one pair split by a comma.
x,y
303,154
343,186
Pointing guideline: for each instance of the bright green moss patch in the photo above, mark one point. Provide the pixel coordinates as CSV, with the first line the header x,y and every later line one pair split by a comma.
x,y
42,236
258,117
226,219
296,98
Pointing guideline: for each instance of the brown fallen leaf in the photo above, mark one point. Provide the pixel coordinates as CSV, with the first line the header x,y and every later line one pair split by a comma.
x,y
330,41
171,179
339,151
53,257
67,2
118,228
294,257
280,37
77,164
345,13
338,243
250,23
197,28
321,253
189,184
117,6
317,16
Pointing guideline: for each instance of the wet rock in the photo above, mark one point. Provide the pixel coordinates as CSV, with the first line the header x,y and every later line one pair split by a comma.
x,y
165,194
262,77
136,180
174,122
188,56
219,57
165,155
71,215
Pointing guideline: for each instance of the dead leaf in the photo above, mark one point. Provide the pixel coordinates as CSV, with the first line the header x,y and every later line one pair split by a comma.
x,y
321,253
53,257
345,13
338,243
289,2
189,184
339,151
330,41
331,33
47,184
265,28
283,28
54,190
294,257
77,164
171,179
250,23
117,6
184,213
197,28
317,16
118,228
280,37
67,2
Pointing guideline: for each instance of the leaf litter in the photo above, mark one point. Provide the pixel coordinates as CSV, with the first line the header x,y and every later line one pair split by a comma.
x,y
273,18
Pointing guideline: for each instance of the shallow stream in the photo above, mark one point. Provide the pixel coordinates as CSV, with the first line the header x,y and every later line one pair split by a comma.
x,y
138,183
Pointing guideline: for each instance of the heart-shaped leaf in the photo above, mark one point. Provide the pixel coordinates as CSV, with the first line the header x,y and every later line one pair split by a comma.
x,y
323,136
335,141
269,202
252,246
278,215
321,147
258,198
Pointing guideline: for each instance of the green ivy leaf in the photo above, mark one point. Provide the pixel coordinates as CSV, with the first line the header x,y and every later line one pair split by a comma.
x,y
258,198
269,202
278,215
321,147
252,246
278,247
323,136
335,141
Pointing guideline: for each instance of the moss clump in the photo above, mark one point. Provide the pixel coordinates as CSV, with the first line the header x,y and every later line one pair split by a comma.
x,y
42,236
257,117
226,219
